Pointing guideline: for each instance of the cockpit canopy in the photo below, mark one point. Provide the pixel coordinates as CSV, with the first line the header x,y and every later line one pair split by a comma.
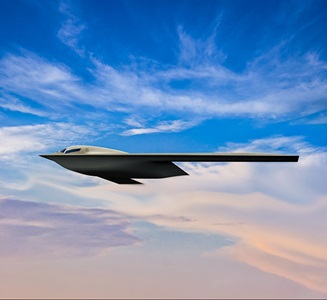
x,y
66,150
89,150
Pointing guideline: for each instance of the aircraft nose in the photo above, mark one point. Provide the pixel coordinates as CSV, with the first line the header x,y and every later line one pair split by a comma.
x,y
45,156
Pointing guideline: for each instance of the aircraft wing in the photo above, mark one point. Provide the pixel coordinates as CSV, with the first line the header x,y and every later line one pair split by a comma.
x,y
212,157
121,168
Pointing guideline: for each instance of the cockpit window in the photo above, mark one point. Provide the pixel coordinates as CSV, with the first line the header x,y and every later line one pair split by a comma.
x,y
72,150
63,150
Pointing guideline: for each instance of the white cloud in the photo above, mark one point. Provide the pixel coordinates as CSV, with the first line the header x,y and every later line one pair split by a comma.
x,y
68,35
134,121
173,126
267,89
29,76
293,144
217,91
71,29
318,118
14,104
17,141
202,51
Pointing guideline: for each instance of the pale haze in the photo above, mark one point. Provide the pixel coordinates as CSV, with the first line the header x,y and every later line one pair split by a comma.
x,y
160,77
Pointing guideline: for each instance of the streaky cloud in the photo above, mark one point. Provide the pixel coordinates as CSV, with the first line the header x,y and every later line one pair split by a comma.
x,y
14,104
58,230
71,29
267,89
173,126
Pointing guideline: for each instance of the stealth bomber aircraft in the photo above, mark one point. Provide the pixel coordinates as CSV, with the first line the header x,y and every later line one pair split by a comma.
x,y
122,167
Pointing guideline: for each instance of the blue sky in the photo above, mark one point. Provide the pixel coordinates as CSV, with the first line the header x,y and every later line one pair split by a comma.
x,y
165,76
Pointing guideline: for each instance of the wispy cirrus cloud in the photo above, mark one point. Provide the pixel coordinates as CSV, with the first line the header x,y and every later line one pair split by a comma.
x,y
71,29
13,104
317,118
201,51
167,126
282,144
212,90
30,76
272,86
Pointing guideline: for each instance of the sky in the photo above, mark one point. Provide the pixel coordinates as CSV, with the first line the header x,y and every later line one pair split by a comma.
x,y
156,77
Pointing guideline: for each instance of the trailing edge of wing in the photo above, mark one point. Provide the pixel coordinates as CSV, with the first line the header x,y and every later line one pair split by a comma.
x,y
121,180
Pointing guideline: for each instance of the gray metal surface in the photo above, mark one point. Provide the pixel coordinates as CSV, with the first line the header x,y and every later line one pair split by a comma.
x,y
120,168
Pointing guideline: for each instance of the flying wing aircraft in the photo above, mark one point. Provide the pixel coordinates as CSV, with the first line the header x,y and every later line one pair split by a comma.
x,y
122,167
